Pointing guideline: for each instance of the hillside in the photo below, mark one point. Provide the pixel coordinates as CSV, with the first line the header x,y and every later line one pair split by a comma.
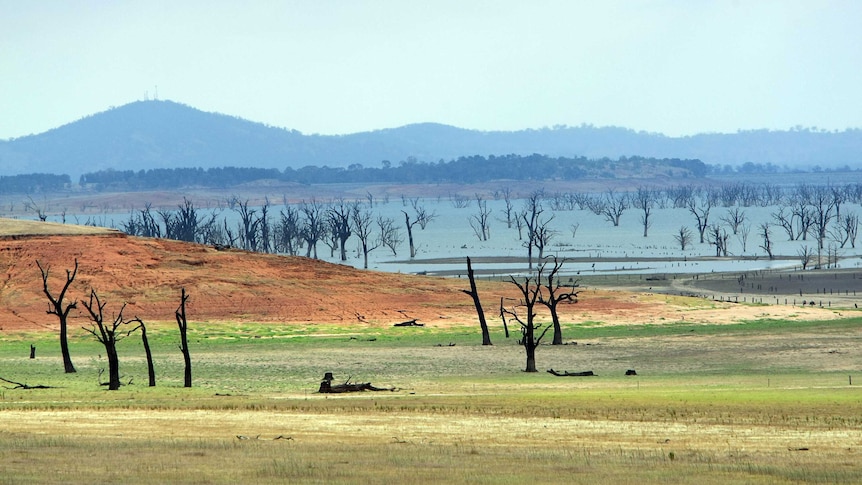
x,y
165,134
239,286
224,285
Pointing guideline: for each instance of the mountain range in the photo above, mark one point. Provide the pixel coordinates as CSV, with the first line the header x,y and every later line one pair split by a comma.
x,y
167,134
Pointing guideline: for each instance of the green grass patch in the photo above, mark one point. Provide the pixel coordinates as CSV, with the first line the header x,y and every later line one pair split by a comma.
x,y
754,402
593,330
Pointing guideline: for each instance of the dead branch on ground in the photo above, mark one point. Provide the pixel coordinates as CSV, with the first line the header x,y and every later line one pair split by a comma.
x,y
571,374
21,385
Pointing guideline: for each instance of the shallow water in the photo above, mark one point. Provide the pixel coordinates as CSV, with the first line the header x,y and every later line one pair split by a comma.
x,y
595,245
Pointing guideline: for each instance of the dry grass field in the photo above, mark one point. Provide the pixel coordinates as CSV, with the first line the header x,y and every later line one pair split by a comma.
x,y
725,393
721,406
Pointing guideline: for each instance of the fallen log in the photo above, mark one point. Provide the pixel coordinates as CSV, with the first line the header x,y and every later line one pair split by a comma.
x,y
21,385
327,387
571,374
409,323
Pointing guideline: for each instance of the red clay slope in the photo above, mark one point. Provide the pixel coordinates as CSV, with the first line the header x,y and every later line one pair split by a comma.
x,y
234,285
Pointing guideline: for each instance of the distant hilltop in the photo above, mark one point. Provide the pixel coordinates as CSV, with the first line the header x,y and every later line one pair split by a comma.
x,y
166,134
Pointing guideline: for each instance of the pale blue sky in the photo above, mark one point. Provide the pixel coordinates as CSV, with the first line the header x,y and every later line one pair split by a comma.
x,y
330,67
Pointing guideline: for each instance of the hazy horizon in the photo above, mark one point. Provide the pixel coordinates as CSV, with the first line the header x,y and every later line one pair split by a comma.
x,y
659,66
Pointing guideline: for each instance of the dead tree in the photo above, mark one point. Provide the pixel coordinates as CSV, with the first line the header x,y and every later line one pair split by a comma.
x,y
744,231
362,223
313,226
644,200
486,337
801,212
249,226
531,333
503,317
389,234
543,236
734,218
557,293
30,204
265,228
529,215
108,334
151,371
718,237
421,217
785,221
823,210
186,223
683,237
330,239
479,222
847,229
805,255
286,231
56,307
700,211
143,224
184,341
508,210
767,241
338,216
611,205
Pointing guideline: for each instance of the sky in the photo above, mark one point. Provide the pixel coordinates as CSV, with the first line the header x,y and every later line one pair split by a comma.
x,y
335,67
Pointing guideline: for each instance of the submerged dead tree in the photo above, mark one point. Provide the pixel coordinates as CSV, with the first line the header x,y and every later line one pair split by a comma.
x,y
486,337
421,217
184,341
767,241
530,217
56,307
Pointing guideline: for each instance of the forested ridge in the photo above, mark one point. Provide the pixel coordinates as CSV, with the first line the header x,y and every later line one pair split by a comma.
x,y
147,135
473,169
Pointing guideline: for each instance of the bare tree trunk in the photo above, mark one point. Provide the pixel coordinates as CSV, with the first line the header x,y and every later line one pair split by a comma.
x,y
530,295
409,235
338,216
107,334
555,296
530,348
486,337
151,371
184,342
503,317
57,308
113,367
68,367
